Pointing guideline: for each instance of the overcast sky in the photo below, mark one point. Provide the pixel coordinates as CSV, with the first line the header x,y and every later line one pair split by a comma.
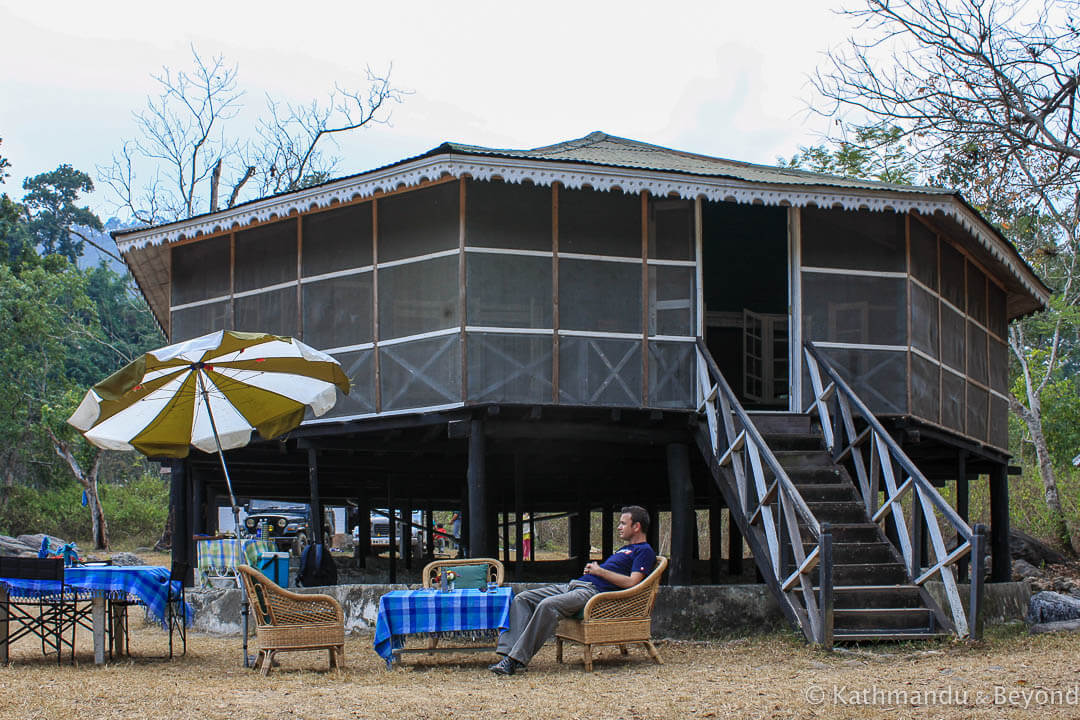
x,y
718,78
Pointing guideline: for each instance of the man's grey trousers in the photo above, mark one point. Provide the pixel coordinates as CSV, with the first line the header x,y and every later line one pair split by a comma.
x,y
535,613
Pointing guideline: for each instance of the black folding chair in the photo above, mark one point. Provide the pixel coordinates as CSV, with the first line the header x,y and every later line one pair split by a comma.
x,y
48,616
175,615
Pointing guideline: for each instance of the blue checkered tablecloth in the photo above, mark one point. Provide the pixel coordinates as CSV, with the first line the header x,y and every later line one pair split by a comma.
x,y
403,612
146,583
227,553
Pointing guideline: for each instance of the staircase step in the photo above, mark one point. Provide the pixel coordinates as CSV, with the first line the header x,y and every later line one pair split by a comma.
x,y
888,618
826,492
867,552
789,442
875,596
846,636
847,511
848,532
782,423
802,459
865,574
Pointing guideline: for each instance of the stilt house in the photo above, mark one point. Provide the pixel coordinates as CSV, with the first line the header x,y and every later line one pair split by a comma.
x,y
602,322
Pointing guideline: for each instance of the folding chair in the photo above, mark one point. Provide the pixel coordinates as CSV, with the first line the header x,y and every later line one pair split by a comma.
x,y
175,608
48,611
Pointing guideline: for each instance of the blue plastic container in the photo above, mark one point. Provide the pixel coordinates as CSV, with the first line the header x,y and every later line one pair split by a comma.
x,y
275,565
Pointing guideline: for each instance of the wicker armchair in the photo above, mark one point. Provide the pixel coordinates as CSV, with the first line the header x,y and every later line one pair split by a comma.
x,y
620,617
287,621
430,575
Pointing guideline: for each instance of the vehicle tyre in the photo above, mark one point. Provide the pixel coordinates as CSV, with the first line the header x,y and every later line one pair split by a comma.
x,y
299,543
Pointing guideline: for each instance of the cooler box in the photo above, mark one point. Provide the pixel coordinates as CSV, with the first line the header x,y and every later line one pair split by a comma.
x,y
275,565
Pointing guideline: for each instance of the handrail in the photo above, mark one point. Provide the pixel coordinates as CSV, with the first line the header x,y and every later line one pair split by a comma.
x,y
767,510
882,453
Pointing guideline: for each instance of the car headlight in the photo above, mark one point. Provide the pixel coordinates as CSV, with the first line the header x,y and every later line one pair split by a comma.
x,y
250,522
281,522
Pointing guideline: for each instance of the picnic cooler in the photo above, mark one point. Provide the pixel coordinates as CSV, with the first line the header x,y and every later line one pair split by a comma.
x,y
275,565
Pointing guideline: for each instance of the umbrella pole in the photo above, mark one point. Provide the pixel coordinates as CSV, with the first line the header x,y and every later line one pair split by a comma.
x,y
235,510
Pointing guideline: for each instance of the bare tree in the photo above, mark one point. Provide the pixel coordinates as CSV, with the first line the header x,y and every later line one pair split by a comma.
x,y
993,84
289,156
198,158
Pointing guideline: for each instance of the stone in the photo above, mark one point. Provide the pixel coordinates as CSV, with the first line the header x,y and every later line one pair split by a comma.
x,y
11,546
1049,606
125,558
1052,627
34,541
1036,552
1021,569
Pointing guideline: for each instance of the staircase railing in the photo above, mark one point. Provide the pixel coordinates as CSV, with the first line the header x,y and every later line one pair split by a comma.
x,y
767,505
853,434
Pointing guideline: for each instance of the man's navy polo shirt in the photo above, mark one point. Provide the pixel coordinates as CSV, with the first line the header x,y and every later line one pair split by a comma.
x,y
638,557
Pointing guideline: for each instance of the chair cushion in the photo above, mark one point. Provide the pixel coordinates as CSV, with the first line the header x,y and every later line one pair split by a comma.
x,y
469,577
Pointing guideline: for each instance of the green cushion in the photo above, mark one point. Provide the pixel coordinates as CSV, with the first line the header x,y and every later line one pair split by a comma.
x,y
469,577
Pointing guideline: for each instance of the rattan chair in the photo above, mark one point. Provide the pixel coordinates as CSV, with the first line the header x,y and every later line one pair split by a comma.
x,y
287,621
430,575
620,617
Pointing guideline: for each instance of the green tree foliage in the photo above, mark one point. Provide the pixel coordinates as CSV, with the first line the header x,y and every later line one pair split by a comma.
x,y
877,152
51,204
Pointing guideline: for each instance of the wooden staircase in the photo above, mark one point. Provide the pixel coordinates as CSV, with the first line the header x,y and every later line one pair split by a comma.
x,y
873,595
813,494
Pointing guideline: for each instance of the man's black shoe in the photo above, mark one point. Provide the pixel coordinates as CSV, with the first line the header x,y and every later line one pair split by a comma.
x,y
507,666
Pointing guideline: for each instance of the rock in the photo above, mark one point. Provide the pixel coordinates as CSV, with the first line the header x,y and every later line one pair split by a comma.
x,y
1059,626
34,541
1036,552
125,558
1047,607
11,546
1021,569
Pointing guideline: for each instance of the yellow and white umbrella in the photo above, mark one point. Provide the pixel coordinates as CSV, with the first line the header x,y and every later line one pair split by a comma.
x,y
210,392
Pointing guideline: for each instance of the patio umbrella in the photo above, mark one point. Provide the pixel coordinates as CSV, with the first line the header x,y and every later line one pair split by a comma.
x,y
210,392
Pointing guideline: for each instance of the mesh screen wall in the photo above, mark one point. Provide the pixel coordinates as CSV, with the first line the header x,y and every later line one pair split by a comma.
x,y
378,284
916,329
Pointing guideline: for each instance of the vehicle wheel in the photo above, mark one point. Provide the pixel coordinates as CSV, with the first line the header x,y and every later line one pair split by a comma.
x,y
299,543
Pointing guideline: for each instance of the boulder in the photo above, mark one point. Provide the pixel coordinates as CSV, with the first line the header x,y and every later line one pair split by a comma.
x,y
1059,626
1022,569
34,541
11,546
1047,606
126,558
1023,546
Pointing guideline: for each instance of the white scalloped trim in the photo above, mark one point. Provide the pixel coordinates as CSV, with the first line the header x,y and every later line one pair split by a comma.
x,y
574,176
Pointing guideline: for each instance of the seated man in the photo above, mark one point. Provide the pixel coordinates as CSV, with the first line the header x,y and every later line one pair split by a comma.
x,y
535,613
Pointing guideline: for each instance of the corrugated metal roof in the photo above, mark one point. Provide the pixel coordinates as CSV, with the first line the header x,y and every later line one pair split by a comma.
x,y
599,148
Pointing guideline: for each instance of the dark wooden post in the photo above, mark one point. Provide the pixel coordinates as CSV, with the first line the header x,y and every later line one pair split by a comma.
x,y
406,533
363,542
480,536
825,584
181,536
716,526
315,509
654,527
391,532
532,534
582,535
198,503
1001,563
962,496
975,602
429,533
681,489
918,535
607,528
519,525
734,546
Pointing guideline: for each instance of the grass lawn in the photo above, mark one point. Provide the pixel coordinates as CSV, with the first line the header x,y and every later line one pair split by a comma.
x,y
775,676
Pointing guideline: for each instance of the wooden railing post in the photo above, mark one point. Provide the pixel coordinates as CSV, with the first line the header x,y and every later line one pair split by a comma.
x,y
978,574
825,584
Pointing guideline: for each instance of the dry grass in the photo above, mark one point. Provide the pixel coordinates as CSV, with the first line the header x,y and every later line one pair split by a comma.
x,y
766,677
